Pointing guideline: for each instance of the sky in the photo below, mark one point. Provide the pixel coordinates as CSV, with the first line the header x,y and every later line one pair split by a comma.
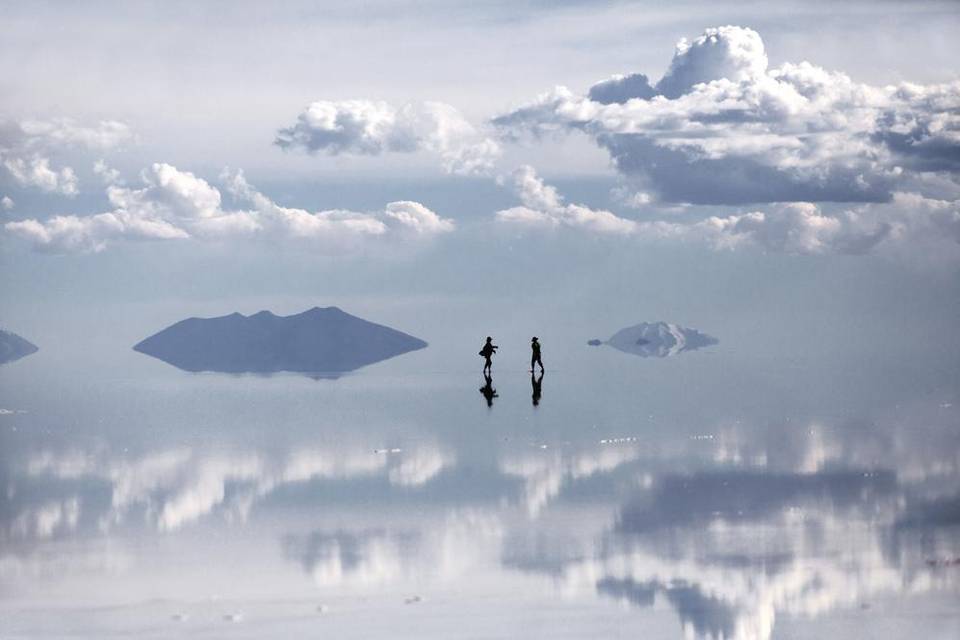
x,y
709,158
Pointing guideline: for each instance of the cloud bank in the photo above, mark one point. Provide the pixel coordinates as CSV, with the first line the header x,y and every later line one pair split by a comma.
x,y
367,127
798,228
722,127
26,147
175,204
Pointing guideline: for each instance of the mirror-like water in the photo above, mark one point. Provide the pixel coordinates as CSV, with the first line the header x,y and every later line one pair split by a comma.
x,y
711,494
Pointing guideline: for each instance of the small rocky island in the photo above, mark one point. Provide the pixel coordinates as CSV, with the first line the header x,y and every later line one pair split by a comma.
x,y
322,341
13,347
657,340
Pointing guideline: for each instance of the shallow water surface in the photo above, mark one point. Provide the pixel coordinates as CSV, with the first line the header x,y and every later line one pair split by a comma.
x,y
712,494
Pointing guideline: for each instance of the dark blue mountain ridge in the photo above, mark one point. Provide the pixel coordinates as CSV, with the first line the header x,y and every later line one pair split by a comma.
x,y
13,347
327,340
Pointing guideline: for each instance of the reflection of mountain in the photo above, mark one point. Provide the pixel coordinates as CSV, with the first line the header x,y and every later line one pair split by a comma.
x,y
13,347
318,340
658,339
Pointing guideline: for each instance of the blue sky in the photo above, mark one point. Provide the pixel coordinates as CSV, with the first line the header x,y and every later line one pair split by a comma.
x,y
506,150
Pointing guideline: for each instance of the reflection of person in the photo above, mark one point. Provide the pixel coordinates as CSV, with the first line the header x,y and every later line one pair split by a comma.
x,y
487,352
487,390
535,355
537,384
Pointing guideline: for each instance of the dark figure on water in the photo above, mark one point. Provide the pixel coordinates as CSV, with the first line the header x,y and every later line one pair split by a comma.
x,y
487,390
487,352
535,355
537,383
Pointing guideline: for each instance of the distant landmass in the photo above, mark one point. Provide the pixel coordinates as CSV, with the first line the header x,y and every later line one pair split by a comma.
x,y
13,347
657,340
319,340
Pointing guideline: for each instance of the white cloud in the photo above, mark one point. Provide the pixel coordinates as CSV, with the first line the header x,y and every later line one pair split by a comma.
x,y
26,148
108,174
7,203
728,52
631,199
176,204
108,134
543,206
722,128
367,127
797,228
36,172
909,220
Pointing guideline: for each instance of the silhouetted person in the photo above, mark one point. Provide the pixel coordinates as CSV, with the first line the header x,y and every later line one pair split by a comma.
x,y
537,384
535,354
487,390
487,352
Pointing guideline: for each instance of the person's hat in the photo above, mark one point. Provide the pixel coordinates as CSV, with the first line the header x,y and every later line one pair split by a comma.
x,y
534,338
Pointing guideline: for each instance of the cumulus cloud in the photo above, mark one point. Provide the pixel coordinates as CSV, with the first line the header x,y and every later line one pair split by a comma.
x,y
108,174
543,206
6,203
26,148
721,127
176,204
36,172
799,228
367,127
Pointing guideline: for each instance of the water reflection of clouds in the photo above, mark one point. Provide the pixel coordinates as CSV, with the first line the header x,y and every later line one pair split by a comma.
x,y
755,523
545,470
178,486
436,546
345,558
47,519
730,551
731,530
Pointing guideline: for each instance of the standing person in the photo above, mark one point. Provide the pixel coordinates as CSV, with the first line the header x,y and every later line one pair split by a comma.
x,y
535,355
487,352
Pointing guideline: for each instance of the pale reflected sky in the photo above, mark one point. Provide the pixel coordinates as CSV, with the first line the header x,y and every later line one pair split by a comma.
x,y
693,493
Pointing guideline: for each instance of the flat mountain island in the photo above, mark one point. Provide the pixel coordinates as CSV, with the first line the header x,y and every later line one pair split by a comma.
x,y
13,347
327,340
